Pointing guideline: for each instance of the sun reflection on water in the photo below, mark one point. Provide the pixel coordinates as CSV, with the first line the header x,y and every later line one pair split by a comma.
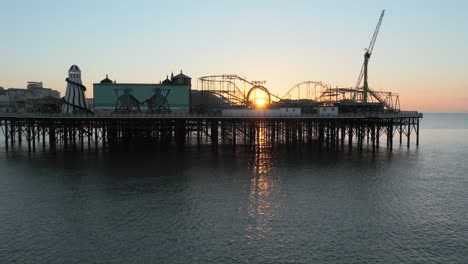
x,y
264,188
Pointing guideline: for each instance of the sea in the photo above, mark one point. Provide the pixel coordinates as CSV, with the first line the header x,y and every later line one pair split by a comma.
x,y
281,205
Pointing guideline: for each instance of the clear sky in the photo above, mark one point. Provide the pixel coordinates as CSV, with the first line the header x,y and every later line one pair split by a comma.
x,y
421,52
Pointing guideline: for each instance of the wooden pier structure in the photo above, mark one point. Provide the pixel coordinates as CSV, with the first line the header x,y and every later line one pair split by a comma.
x,y
80,132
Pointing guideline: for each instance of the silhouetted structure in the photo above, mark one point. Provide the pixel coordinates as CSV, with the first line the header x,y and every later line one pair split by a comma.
x,y
254,131
75,99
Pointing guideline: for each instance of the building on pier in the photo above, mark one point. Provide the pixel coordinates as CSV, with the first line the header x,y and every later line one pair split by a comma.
x,y
75,99
328,110
171,95
354,107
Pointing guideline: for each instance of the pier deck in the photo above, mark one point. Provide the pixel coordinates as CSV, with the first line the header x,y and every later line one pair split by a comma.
x,y
104,131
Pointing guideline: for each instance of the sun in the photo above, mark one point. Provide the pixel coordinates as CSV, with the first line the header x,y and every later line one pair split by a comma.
x,y
260,103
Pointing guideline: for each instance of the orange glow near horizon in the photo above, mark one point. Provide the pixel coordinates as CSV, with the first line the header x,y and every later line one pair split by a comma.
x,y
260,103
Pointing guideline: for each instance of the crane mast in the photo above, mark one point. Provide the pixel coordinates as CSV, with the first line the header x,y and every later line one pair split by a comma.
x,y
367,55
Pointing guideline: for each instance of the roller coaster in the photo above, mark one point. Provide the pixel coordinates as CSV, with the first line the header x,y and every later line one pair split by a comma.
x,y
238,91
235,90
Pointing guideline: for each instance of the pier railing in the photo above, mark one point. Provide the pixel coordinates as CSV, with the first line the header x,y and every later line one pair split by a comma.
x,y
402,114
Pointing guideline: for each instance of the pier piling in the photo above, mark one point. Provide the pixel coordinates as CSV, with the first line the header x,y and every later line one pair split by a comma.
x,y
310,130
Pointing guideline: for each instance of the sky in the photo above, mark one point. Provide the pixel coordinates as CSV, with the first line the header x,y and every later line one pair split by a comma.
x,y
421,52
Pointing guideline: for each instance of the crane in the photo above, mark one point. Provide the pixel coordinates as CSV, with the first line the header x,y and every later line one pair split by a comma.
x,y
367,56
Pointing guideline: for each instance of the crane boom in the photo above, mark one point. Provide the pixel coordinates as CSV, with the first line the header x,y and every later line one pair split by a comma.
x,y
376,33
367,56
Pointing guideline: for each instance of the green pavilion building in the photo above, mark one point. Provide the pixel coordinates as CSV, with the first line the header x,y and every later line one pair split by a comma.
x,y
169,96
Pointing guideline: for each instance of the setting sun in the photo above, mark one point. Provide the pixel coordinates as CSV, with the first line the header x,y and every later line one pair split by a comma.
x,y
260,103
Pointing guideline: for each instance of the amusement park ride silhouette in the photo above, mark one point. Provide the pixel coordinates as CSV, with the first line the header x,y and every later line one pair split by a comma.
x,y
238,91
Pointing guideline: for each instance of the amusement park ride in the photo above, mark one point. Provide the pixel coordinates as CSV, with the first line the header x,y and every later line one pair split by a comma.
x,y
239,92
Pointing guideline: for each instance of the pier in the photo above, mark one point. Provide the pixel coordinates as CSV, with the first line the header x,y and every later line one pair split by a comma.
x,y
103,132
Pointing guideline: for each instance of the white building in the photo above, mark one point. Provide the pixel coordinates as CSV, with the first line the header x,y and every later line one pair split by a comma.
x,y
281,112
328,110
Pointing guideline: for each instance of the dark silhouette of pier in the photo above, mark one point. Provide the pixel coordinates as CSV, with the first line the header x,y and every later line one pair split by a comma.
x,y
80,132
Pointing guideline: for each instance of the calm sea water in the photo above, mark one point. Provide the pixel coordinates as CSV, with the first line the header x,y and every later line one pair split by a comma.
x,y
281,206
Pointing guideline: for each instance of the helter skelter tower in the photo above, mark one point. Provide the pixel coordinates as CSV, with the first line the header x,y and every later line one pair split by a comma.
x,y
74,100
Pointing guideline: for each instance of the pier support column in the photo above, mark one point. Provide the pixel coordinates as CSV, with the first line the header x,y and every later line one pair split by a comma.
x,y
401,131
309,133
367,133
81,136
377,139
52,137
104,136
43,135
180,133
199,129
89,132
96,136
33,127
343,135
12,132
287,135
391,136
234,135
321,134
65,136
361,137
223,132
6,134
373,137
29,137
20,138
409,133
417,132
294,133
73,135
214,133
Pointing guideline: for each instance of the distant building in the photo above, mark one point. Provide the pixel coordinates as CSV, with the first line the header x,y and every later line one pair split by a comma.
x,y
170,95
13,99
4,101
43,105
39,91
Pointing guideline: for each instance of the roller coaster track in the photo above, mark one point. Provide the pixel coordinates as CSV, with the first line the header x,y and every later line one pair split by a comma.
x,y
391,102
310,88
227,87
